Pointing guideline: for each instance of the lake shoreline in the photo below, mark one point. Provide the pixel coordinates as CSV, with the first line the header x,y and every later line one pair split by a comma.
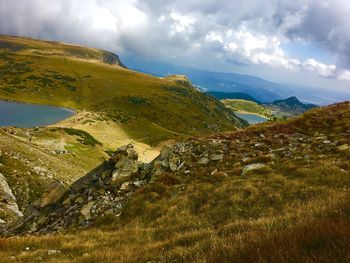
x,y
251,118
29,115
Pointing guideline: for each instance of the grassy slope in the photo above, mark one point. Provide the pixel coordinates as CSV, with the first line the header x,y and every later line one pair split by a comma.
x,y
245,106
295,210
145,106
29,163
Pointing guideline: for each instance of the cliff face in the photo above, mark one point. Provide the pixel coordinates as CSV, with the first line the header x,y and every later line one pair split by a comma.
x,y
112,59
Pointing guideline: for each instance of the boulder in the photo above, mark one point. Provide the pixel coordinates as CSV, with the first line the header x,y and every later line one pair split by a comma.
x,y
216,157
53,194
125,168
86,210
9,210
203,161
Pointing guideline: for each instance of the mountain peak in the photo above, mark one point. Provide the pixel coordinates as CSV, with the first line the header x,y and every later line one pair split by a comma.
x,y
291,101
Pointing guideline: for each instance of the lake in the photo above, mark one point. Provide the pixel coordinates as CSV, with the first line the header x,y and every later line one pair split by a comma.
x,y
251,118
31,115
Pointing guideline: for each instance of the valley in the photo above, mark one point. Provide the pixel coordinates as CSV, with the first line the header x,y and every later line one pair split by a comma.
x,y
151,169
243,196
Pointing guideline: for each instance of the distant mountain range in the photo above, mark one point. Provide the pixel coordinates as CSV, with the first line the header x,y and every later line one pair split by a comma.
x,y
260,89
232,95
271,110
288,107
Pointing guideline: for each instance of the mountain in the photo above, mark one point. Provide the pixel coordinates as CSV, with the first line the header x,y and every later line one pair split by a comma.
x,y
146,108
242,196
289,107
275,110
113,106
233,95
260,89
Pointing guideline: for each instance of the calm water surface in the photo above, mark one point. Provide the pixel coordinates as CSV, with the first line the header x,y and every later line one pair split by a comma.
x,y
251,118
30,115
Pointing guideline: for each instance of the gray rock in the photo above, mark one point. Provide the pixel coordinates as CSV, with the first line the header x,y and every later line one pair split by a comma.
x,y
125,168
253,167
140,183
52,252
216,157
86,210
53,194
203,160
8,207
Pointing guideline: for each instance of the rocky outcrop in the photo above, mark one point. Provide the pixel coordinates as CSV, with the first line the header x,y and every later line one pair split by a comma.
x,y
110,58
103,191
9,211
106,189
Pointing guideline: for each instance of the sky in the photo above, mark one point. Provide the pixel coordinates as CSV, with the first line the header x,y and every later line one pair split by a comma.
x,y
292,41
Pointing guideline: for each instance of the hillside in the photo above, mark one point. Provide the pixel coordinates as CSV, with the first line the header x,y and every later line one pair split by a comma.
x,y
274,192
233,95
278,109
149,109
246,106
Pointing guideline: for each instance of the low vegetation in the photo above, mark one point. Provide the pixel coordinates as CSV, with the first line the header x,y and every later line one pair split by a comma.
x,y
84,137
246,106
276,192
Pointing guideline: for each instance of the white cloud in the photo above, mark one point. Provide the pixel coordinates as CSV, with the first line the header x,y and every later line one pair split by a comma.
x,y
321,69
345,75
213,36
181,23
194,31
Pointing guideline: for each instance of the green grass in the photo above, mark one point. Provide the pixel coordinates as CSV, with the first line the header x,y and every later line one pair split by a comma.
x,y
297,210
246,106
50,73
84,137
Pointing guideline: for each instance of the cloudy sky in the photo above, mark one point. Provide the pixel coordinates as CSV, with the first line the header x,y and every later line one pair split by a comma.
x,y
301,41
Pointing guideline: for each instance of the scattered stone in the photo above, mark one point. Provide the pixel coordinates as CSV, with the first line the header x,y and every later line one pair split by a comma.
x,y
85,211
217,157
203,160
52,252
214,172
344,147
124,186
253,167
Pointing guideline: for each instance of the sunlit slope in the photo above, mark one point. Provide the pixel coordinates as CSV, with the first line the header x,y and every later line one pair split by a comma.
x,y
149,108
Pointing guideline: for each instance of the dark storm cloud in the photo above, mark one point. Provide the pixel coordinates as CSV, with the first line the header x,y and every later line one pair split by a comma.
x,y
327,24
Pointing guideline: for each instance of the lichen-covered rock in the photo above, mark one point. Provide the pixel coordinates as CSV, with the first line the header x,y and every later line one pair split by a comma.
x,y
8,207
53,194
253,167
102,191
85,211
